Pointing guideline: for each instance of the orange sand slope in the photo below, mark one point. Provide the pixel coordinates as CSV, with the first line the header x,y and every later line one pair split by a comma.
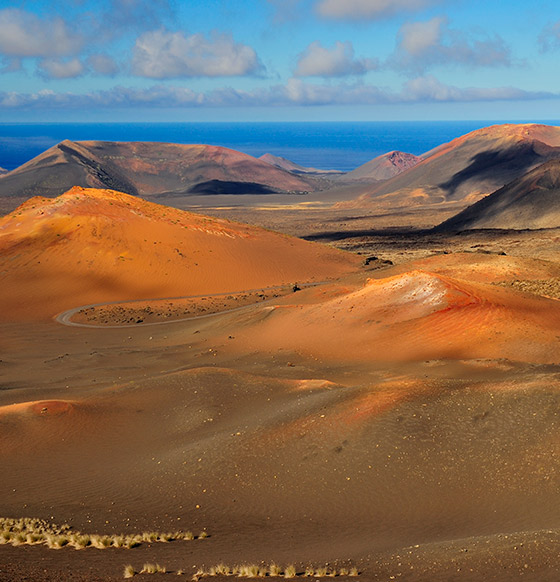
x,y
416,315
90,246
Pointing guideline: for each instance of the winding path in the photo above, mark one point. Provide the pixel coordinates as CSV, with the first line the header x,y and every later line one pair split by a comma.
x,y
65,318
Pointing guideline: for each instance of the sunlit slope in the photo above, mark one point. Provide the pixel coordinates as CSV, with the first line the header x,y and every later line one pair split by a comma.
x,y
413,316
92,245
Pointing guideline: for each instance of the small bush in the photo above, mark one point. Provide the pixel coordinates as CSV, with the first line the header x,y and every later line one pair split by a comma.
x,y
274,570
129,571
290,572
148,569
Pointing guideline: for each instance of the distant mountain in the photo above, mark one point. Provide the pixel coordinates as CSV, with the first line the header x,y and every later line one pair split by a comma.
x,y
469,167
383,167
531,201
3,171
294,168
146,169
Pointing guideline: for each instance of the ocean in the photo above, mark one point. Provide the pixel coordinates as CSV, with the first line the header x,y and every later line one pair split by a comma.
x,y
325,145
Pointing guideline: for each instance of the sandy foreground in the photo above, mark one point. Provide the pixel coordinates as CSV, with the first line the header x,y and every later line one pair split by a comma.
x,y
401,419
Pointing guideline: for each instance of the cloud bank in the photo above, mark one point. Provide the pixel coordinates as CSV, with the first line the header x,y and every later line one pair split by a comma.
x,y
295,92
424,44
338,61
23,34
161,54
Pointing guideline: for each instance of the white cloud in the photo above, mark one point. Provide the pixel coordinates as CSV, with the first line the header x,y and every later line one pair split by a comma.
x,y
161,54
295,92
102,64
61,69
423,44
339,61
23,34
369,9
417,38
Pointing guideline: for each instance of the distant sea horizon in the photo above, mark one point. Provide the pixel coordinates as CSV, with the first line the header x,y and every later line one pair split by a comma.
x,y
325,145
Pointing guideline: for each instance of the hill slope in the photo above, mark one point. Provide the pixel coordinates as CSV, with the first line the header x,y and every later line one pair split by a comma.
x,y
90,246
144,168
531,201
469,167
412,316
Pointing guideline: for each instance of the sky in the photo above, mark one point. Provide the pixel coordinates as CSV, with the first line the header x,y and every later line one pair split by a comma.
x,y
279,60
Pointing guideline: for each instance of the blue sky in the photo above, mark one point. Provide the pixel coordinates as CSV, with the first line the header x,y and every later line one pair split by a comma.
x,y
276,60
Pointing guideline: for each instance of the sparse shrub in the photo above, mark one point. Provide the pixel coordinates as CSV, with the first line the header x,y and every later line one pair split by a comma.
x,y
148,568
149,536
5,537
202,535
274,570
290,571
129,571
248,571
56,542
81,541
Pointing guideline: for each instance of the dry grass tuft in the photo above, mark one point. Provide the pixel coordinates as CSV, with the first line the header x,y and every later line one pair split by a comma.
x,y
129,571
272,570
290,571
31,531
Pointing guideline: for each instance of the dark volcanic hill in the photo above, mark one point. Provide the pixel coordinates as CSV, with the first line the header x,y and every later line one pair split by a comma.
x,y
532,201
145,168
383,167
469,167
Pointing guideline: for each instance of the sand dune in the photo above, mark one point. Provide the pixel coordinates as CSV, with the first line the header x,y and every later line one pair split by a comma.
x,y
415,315
469,167
91,246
